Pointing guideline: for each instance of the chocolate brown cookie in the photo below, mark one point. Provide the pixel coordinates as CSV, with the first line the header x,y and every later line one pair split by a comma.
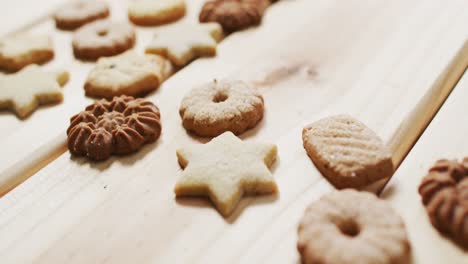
x,y
120,126
77,13
444,193
102,38
234,15
352,227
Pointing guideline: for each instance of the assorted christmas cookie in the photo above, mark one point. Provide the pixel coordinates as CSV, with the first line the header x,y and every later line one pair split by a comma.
x,y
79,12
234,15
102,38
224,169
444,193
152,13
347,153
352,227
25,90
184,42
128,73
19,51
221,106
120,126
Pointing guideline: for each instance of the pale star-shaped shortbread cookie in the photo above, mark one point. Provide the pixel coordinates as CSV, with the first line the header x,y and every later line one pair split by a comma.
x,y
184,42
226,168
24,91
18,51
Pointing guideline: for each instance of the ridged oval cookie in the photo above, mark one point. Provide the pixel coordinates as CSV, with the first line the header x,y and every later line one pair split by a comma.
x,y
352,227
347,152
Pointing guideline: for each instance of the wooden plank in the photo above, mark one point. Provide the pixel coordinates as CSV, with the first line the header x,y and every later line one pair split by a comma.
x,y
375,60
45,143
444,138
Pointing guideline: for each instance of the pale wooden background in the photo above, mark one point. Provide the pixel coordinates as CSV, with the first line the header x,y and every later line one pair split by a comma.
x,y
389,63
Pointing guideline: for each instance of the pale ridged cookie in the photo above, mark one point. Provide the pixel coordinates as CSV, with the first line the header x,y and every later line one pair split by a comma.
x,y
19,51
155,12
352,227
444,193
25,90
347,153
184,42
225,169
128,73
221,106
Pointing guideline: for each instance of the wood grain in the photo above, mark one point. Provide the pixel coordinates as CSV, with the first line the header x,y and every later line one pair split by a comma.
x,y
376,60
444,138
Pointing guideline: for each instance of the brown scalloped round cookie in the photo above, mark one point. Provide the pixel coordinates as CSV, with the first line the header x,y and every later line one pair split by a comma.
x,y
221,106
120,126
77,13
444,193
102,38
234,15
352,227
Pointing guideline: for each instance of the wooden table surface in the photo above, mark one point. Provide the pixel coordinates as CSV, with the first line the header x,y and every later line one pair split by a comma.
x,y
391,64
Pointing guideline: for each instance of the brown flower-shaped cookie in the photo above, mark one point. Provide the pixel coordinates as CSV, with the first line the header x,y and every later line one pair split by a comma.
x,y
444,192
120,126
234,15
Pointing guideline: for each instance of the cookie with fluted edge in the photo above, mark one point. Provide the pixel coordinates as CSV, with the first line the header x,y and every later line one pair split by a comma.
x,y
153,13
220,106
102,38
225,169
234,15
352,227
444,192
347,152
77,13
24,91
128,73
18,51
184,42
120,126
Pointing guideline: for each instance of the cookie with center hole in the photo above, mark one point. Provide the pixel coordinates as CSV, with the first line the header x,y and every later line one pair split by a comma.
x,y
221,106
75,14
352,227
102,38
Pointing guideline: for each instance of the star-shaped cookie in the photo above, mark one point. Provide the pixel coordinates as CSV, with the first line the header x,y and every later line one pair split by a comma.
x,y
184,42
226,168
25,90
21,50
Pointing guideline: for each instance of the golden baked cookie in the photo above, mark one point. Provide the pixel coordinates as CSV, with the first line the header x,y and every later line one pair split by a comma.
x,y
221,106
234,15
127,73
19,51
444,193
182,43
352,227
347,153
25,90
120,126
102,38
153,13
76,13
225,169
